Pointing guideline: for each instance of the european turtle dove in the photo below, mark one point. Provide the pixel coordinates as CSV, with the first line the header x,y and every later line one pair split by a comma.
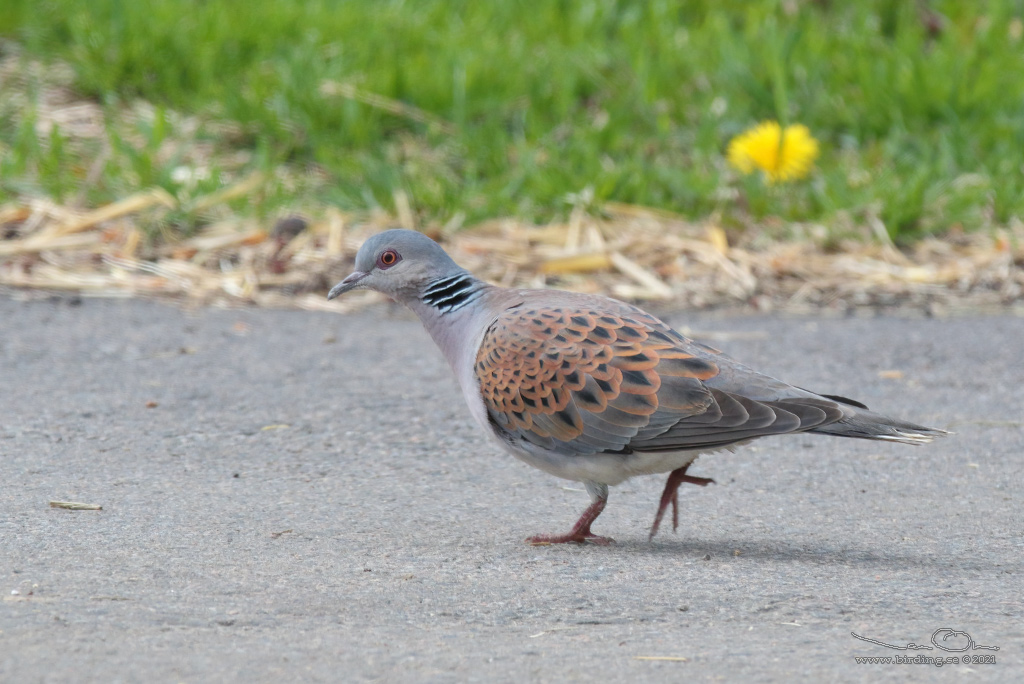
x,y
591,389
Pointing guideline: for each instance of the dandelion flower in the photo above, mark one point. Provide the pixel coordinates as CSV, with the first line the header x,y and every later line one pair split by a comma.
x,y
782,155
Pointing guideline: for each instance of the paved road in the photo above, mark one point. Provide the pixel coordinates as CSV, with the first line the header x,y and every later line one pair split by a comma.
x,y
296,496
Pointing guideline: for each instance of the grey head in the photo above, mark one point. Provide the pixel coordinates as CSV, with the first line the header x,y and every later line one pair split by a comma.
x,y
409,267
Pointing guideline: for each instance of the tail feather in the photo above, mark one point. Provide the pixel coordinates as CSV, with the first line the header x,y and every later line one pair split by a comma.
x,y
870,425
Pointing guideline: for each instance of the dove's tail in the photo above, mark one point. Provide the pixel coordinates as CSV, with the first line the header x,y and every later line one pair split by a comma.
x,y
861,423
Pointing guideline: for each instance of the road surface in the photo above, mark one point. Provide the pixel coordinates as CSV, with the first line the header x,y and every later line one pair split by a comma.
x,y
294,496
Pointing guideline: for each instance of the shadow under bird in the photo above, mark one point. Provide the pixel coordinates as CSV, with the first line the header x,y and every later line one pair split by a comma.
x,y
591,389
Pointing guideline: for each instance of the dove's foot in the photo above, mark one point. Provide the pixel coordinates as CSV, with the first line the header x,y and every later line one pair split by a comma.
x,y
580,531
671,495
545,539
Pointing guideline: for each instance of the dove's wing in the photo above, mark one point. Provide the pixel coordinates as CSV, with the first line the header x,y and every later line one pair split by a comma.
x,y
588,379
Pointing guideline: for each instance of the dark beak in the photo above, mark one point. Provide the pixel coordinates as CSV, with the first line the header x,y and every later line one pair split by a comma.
x,y
349,283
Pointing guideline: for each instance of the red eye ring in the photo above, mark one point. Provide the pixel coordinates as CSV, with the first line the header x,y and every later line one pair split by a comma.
x,y
388,258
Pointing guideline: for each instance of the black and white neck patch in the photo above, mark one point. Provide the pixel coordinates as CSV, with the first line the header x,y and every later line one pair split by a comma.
x,y
451,293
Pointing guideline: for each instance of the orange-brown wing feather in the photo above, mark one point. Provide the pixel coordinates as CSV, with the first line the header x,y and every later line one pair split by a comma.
x,y
587,380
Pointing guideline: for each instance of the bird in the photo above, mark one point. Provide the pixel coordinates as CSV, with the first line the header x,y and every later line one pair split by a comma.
x,y
592,389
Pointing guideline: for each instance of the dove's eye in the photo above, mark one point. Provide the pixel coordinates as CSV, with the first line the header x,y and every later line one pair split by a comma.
x,y
388,258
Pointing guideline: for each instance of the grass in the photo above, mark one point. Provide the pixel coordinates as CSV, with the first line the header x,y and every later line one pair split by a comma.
x,y
482,109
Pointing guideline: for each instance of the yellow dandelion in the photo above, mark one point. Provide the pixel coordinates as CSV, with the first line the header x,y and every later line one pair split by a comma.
x,y
783,156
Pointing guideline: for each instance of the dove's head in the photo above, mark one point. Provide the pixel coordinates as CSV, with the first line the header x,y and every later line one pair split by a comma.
x,y
398,263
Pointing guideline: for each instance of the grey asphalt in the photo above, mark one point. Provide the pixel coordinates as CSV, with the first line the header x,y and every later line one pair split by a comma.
x,y
295,496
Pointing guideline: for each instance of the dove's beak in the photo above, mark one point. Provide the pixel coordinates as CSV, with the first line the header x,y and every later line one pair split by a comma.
x,y
349,283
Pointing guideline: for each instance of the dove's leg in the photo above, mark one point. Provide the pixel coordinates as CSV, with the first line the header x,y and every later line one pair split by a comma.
x,y
581,530
671,495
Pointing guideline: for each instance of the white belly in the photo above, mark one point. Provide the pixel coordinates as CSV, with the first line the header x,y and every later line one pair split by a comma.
x,y
603,468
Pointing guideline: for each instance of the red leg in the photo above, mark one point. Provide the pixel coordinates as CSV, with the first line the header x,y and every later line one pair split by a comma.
x,y
581,530
671,495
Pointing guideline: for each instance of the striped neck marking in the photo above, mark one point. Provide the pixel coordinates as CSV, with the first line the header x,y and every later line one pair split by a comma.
x,y
451,293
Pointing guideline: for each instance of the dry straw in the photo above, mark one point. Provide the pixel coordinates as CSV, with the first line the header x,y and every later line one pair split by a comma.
x,y
626,251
